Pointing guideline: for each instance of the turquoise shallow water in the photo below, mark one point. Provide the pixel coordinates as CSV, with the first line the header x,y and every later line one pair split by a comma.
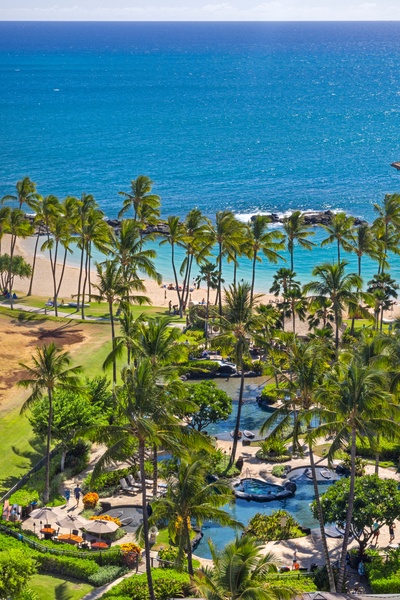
x,y
246,116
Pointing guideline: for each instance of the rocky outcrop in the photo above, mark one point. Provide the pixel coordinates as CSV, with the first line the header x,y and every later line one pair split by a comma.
x,y
313,218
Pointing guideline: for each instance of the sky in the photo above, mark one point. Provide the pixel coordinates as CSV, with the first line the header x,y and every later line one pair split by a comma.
x,y
199,10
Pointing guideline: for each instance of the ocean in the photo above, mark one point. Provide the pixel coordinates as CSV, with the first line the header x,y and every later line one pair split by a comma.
x,y
252,117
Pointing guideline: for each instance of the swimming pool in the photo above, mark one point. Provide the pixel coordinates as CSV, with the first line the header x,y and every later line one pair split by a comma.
x,y
298,506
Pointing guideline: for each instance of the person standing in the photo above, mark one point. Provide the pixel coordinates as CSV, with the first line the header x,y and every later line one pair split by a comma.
x,y
376,532
392,527
67,495
77,494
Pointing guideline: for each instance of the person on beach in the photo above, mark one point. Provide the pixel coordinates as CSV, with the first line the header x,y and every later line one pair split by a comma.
x,y
77,494
392,527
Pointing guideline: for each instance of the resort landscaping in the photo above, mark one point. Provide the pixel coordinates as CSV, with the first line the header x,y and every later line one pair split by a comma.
x,y
175,446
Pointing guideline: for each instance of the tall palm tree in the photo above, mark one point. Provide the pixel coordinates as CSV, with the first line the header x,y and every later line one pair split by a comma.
x,y
113,287
388,221
26,193
191,498
208,274
127,341
263,240
383,290
363,243
332,282
148,402
146,206
174,237
296,303
49,372
283,281
17,226
297,232
236,325
228,234
340,230
356,405
308,362
238,573
5,212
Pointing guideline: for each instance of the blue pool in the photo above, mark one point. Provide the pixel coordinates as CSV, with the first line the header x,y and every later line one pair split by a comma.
x,y
243,511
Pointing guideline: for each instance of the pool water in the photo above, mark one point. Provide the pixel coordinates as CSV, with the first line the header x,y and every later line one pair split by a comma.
x,y
243,511
252,486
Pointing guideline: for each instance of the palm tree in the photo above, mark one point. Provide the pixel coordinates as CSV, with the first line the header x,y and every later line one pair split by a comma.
x,y
49,372
146,206
127,341
332,283
283,281
191,498
239,573
363,243
297,231
5,212
18,226
339,230
236,325
26,193
388,221
356,406
148,402
174,237
113,287
228,234
296,302
383,290
265,241
308,362
209,274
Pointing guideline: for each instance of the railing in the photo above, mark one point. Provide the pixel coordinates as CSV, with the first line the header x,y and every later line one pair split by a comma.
x,y
46,549
27,475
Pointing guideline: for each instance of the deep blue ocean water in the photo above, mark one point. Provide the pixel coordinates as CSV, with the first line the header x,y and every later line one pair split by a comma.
x,y
246,116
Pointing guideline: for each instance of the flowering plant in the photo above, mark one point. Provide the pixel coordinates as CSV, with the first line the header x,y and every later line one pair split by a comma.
x,y
90,500
106,518
130,547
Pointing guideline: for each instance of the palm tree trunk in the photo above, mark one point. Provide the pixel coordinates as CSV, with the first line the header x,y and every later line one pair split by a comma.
x,y
207,310
332,586
89,283
84,285
234,270
189,549
336,330
10,281
239,413
33,265
46,494
291,250
145,521
54,267
294,318
176,278
80,277
110,307
359,265
253,276
219,280
155,470
349,514
338,252
187,283
62,272
377,455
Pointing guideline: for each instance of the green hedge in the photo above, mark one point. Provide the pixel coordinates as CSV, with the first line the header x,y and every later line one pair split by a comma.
x,y
388,451
108,480
199,368
106,574
67,566
167,584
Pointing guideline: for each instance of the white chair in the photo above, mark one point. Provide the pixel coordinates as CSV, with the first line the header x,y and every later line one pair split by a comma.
x,y
133,484
125,487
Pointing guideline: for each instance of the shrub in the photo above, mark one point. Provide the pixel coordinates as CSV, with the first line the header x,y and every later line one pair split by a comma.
x,y
106,518
167,584
68,566
90,500
297,583
77,458
270,394
218,464
199,368
273,449
387,451
360,465
24,497
107,481
279,471
268,527
105,575
130,547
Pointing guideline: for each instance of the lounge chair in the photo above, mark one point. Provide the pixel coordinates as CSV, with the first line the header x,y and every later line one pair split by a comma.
x,y
125,487
133,484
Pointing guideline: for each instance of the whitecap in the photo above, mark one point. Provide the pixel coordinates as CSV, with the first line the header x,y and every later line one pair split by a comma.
x,y
56,89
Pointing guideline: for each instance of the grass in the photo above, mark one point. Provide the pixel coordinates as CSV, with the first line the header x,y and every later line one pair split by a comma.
x,y
363,323
49,587
96,309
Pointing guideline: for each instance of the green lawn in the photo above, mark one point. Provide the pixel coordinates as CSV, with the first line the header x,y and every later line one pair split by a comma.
x,y
363,323
49,587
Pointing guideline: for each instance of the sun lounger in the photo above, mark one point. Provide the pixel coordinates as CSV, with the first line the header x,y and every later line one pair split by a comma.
x,y
125,487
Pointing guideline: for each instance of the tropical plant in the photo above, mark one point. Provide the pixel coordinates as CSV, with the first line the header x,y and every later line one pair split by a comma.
x,y
17,226
175,237
191,498
340,230
239,572
213,404
49,372
18,267
383,290
298,232
387,225
208,274
341,289
146,206
363,243
263,240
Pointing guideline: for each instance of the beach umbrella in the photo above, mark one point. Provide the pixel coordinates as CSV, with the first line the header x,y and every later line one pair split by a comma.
x,y
99,526
72,522
47,513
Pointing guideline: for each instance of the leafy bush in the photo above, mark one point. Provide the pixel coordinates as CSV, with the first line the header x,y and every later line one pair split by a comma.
x,y
296,582
384,576
24,497
68,566
270,394
167,584
360,465
77,457
105,575
219,462
199,368
387,450
273,449
279,471
107,481
268,527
